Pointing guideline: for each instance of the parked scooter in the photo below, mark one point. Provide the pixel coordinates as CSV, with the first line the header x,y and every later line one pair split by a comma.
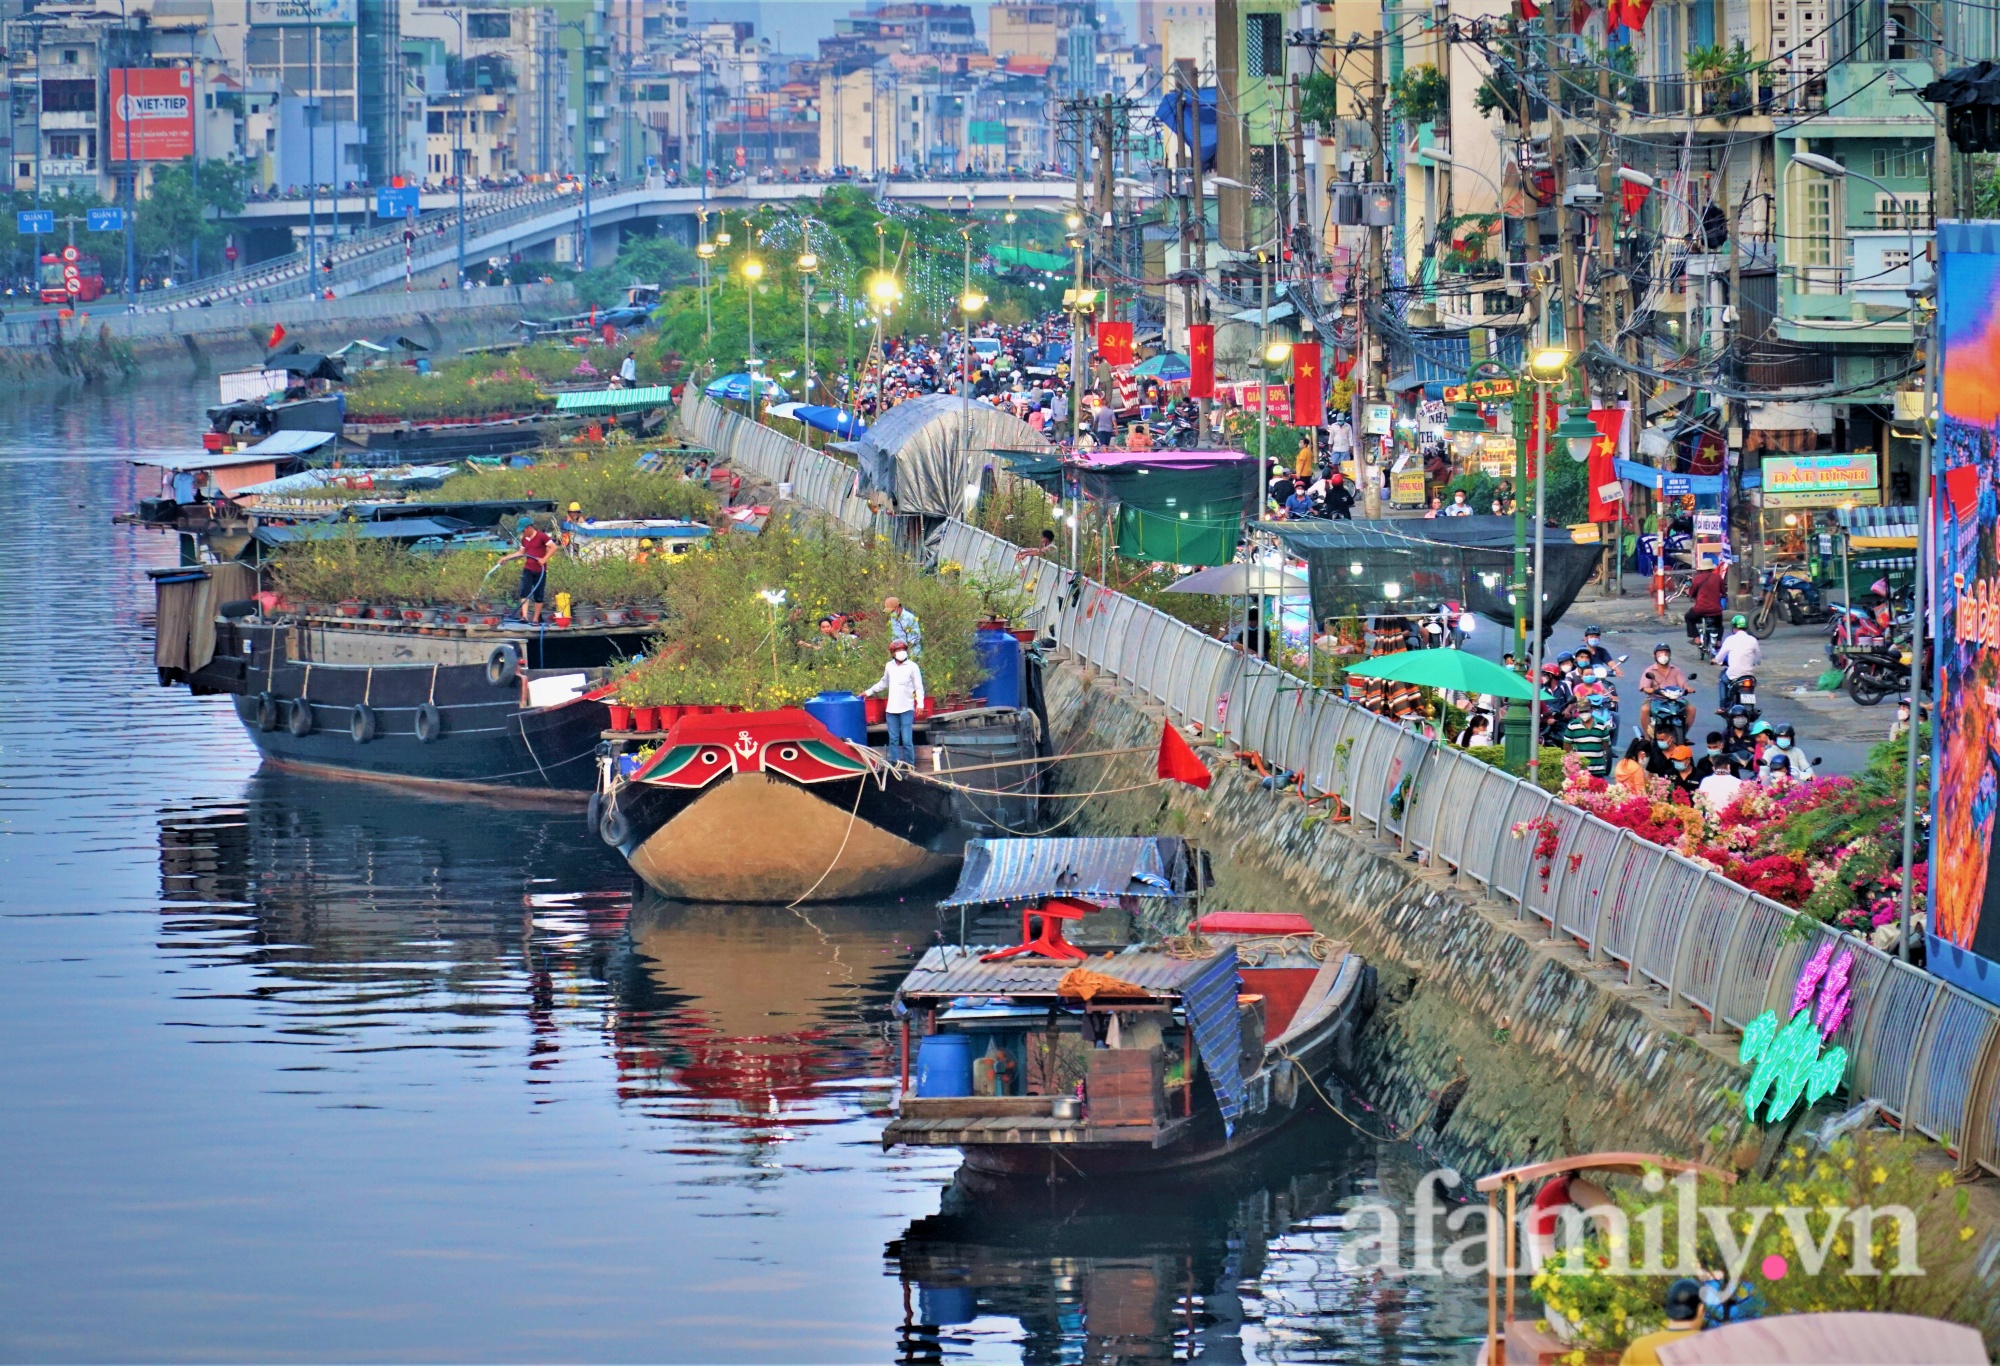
x,y
1873,672
1784,596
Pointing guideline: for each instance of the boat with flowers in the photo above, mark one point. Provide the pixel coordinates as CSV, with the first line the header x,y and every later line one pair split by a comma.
x,y
1184,1046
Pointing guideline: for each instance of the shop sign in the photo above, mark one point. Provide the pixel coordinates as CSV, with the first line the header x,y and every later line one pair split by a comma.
x,y
1379,416
1613,492
1406,489
1479,391
1708,526
1821,480
1676,486
1496,457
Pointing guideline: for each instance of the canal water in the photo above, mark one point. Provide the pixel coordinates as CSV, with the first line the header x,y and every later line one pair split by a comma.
x,y
322,1071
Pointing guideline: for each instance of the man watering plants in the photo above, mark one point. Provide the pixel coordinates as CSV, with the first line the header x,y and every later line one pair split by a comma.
x,y
533,553
904,682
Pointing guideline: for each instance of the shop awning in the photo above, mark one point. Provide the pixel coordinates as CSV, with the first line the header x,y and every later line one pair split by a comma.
x,y
615,400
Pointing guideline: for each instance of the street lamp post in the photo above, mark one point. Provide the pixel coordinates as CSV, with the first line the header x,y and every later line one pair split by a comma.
x,y
705,250
753,271
457,141
808,264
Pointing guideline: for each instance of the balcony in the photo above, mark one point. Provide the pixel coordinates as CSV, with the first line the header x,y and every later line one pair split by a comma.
x,y
598,111
68,166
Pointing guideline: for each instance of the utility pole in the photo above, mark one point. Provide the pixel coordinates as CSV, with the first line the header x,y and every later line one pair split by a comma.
x,y
1194,225
1607,308
1378,167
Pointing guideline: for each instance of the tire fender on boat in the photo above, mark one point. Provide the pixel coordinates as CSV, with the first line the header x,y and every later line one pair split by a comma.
x,y
300,722
502,664
613,827
429,724
361,723
593,813
267,712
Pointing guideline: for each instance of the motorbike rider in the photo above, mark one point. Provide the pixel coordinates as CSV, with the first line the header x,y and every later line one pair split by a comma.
x,y
1680,760
1706,588
1784,745
1339,497
1714,760
1739,654
1661,673
1777,773
1594,651
1738,741
1589,736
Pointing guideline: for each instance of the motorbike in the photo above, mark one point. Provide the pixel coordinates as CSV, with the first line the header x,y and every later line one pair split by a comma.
x,y
1792,597
1873,672
1172,434
1741,692
1670,707
1445,627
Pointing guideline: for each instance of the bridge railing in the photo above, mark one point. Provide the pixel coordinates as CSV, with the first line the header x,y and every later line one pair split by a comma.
x,y
816,479
1926,1051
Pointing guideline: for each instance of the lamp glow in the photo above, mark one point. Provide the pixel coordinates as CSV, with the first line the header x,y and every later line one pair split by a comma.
x,y
1549,364
753,269
808,262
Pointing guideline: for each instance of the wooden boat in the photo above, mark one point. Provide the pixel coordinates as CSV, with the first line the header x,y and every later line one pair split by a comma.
x,y
1168,1053
481,707
771,806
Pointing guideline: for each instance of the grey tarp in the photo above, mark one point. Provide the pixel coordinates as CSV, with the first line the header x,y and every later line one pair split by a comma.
x,y
916,452
1467,560
1091,867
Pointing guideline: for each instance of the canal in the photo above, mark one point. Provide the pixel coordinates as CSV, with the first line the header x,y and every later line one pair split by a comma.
x,y
322,1071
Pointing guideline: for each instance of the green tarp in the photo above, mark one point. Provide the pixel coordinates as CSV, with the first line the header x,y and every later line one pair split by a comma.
x,y
1033,260
1177,512
615,400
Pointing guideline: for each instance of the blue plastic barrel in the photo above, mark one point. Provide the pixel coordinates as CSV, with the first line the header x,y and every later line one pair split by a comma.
x,y
841,713
999,655
944,1065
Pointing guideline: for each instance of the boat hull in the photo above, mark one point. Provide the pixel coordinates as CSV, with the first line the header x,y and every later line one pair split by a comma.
x,y
759,837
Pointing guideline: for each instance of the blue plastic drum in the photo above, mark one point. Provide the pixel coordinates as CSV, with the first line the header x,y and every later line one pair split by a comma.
x,y
944,1065
841,713
999,655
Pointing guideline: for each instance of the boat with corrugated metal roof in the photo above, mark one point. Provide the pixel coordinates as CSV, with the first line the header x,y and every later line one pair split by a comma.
x,y
1185,1045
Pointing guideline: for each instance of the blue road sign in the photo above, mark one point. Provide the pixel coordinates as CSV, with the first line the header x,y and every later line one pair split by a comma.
x,y
105,220
1676,486
394,203
35,220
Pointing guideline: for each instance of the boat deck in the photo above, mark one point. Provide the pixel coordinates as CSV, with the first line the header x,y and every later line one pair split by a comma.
x,y
953,1131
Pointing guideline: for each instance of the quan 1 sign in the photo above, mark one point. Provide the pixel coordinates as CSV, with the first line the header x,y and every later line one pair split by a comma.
x,y
152,114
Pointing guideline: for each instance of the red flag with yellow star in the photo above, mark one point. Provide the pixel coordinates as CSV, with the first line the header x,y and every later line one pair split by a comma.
x,y
1603,469
1308,386
1201,360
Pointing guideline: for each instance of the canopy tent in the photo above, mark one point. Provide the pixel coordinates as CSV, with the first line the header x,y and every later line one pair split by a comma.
x,y
839,421
360,344
1168,365
615,400
1173,114
309,365
1241,580
916,453
1183,507
1456,670
1364,568
1031,260
1101,868
737,386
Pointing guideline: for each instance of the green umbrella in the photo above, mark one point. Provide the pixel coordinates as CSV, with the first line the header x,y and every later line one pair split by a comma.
x,y
1452,669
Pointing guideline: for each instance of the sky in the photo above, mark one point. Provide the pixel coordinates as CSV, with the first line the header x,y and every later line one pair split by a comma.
x,y
798,25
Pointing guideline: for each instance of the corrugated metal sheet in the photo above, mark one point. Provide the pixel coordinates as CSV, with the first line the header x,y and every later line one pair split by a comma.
x,y
1210,1001
952,970
1101,868
289,443
614,400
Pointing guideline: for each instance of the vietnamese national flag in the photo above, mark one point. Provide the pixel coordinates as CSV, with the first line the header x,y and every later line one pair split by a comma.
x,y
1114,343
1343,368
1634,197
1579,15
1636,12
1308,386
1178,761
1201,360
277,335
1603,463
1530,10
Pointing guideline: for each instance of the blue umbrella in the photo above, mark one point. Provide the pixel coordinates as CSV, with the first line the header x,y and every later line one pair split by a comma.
x,y
1168,365
843,424
737,386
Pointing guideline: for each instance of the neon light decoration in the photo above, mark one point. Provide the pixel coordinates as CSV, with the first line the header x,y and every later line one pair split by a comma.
x,y
1789,1061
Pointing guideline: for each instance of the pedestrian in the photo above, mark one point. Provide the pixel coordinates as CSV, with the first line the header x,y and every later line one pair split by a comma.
x,y
903,681
1106,424
904,628
628,371
533,553
1459,507
1302,463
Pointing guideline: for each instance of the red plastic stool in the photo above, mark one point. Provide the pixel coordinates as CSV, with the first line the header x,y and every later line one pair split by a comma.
x,y
1049,943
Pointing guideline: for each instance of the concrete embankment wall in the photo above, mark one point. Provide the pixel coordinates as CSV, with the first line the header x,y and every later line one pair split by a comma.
x,y
1493,1043
226,337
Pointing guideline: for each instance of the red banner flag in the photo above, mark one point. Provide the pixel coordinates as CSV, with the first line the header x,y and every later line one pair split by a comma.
x,y
1201,360
1636,12
1308,386
277,335
1178,761
1634,197
1114,343
1603,469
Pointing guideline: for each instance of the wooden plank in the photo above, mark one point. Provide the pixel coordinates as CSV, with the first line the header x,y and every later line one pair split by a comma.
x,y
975,1107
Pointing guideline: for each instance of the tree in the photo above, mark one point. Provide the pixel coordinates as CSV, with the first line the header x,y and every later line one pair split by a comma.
x,y
182,208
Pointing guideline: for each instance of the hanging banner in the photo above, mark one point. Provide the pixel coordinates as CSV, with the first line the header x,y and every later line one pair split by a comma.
x,y
1201,360
1964,894
152,114
1604,465
1308,386
1114,343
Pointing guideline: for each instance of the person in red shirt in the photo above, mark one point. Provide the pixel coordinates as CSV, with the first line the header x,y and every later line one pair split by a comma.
x,y
533,554
1706,587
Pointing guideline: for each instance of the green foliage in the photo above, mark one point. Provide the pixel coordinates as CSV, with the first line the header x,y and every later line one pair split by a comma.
x,y
1319,100
658,261
182,205
725,644
606,481
1499,94
477,386
1566,488
1723,68
1421,94
1480,490
1809,1196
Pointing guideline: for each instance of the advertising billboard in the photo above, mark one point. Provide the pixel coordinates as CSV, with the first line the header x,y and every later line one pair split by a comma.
x,y
1822,480
152,114
1964,907
301,11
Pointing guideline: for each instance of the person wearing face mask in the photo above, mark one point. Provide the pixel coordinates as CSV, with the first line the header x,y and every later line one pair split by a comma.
x,y
1777,774
1661,673
1589,736
1682,777
1783,747
1595,651
1713,760
1901,725
903,680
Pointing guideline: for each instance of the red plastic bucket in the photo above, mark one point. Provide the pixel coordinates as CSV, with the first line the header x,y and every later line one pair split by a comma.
x,y
621,715
876,709
646,718
669,715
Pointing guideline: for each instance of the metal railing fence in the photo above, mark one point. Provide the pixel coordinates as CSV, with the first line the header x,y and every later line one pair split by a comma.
x,y
1927,1051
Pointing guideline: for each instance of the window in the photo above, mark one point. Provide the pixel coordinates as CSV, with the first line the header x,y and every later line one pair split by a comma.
x,y
1816,221
1903,211
69,56
69,97
487,26
434,121
65,145
1263,45
1903,163
913,104
27,170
